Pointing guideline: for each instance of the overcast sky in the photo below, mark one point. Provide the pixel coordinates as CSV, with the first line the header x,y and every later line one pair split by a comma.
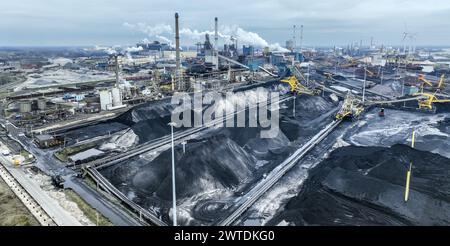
x,y
326,22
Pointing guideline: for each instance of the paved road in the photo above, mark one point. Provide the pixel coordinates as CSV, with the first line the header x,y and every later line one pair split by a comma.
x,y
114,214
50,166
59,215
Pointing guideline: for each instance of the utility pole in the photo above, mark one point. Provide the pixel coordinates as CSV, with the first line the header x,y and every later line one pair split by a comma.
x,y
307,76
408,173
184,146
293,108
174,199
364,85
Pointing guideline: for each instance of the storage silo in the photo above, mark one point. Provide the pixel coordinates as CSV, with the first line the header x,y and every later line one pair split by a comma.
x,y
105,99
116,97
25,106
42,103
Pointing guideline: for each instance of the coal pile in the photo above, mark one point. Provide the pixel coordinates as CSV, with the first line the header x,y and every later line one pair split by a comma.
x,y
219,165
365,186
149,121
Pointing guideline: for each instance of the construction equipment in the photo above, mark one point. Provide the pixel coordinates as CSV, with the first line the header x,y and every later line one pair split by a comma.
x,y
351,63
424,82
440,83
426,100
371,74
351,108
296,87
381,113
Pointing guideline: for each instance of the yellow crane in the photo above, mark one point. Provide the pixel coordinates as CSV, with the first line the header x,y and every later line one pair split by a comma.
x,y
351,107
440,83
296,87
424,82
350,63
426,100
371,74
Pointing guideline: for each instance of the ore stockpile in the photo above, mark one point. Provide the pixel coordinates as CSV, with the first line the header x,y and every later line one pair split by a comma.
x,y
219,166
363,184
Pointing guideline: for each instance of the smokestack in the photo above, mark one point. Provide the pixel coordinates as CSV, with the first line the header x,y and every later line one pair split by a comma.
x,y
216,36
294,41
116,60
216,44
301,38
177,46
177,41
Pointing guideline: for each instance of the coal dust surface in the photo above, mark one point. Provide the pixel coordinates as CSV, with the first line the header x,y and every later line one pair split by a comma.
x,y
432,130
366,185
218,166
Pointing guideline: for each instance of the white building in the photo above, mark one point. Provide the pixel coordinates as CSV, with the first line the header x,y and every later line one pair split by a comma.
x,y
105,99
111,99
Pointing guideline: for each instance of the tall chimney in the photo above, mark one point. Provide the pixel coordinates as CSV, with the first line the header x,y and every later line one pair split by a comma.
x,y
177,47
216,36
216,44
116,60
177,41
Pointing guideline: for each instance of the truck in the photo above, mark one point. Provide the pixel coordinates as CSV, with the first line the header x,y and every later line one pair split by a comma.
x,y
5,152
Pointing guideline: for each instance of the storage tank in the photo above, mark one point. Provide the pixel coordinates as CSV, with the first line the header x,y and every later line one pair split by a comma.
x,y
42,103
105,99
25,106
116,97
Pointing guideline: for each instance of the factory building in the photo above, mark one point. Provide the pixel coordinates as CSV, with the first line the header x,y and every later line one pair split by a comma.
x,y
105,99
248,50
154,46
111,99
25,106
46,141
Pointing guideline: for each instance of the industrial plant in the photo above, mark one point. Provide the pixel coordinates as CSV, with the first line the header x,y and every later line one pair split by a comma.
x,y
88,134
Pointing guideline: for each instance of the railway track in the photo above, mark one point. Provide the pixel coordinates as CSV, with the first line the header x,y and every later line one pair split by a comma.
x,y
273,177
157,143
107,186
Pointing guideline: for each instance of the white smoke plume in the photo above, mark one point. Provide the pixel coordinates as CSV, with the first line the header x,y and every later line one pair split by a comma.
x,y
108,50
244,37
133,49
155,31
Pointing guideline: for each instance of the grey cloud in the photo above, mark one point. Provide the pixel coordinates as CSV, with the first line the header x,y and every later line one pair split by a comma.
x,y
327,22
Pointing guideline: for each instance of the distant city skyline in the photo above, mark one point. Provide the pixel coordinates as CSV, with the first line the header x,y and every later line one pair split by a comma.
x,y
326,23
